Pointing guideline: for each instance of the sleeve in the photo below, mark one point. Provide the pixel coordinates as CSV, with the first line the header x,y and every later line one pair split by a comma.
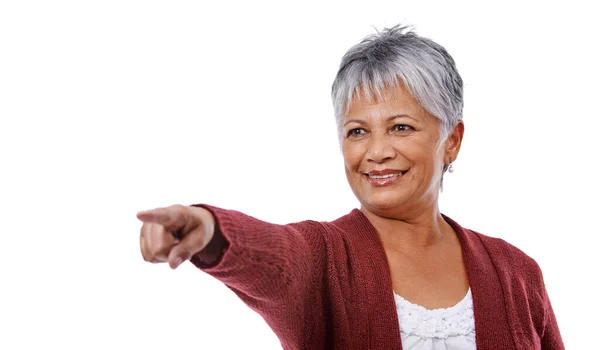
x,y
551,338
277,270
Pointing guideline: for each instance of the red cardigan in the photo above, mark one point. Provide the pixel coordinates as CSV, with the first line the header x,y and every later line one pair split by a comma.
x,y
327,285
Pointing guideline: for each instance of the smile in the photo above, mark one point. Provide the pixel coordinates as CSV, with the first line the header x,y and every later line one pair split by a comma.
x,y
384,176
380,180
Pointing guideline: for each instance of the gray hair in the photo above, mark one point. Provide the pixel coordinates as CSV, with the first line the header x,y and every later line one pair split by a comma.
x,y
399,56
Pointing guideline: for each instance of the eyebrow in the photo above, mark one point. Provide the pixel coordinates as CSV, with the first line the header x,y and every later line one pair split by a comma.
x,y
389,119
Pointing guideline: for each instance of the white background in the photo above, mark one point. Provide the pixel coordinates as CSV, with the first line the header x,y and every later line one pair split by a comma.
x,y
111,107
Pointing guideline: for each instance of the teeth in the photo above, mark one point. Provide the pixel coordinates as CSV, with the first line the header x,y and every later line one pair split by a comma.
x,y
384,176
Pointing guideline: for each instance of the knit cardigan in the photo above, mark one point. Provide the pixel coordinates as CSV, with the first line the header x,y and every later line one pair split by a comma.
x,y
327,285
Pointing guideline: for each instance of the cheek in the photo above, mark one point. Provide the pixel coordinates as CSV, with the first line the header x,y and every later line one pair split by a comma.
x,y
428,162
421,155
352,157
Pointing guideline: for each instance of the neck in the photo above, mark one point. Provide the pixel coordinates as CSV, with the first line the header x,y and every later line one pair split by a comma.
x,y
422,229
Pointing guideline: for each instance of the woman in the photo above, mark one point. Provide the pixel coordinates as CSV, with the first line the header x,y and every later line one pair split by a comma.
x,y
396,273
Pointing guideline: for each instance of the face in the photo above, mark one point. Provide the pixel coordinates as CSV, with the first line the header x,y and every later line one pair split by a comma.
x,y
394,155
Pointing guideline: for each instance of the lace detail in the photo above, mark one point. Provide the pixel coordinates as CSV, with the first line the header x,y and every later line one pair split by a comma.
x,y
438,323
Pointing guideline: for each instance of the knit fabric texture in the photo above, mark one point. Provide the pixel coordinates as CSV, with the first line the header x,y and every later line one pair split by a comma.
x,y
327,285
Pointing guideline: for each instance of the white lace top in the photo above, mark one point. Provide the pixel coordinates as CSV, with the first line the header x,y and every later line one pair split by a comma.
x,y
439,329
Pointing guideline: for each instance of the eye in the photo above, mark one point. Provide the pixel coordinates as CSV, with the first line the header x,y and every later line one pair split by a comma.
x,y
356,132
402,128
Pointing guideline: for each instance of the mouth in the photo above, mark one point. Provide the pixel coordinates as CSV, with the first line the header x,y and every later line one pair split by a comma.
x,y
386,178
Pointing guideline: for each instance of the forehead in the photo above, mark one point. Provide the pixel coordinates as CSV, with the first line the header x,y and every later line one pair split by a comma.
x,y
390,101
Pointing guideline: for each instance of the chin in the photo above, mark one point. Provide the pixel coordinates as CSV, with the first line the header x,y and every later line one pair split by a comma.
x,y
383,201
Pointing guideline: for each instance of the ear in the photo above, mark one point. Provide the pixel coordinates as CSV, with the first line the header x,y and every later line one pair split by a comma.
x,y
453,142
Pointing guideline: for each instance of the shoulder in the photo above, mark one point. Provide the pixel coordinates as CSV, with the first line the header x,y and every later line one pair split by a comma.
x,y
510,258
521,278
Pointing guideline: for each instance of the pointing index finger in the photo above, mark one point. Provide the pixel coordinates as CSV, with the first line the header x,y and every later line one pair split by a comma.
x,y
172,218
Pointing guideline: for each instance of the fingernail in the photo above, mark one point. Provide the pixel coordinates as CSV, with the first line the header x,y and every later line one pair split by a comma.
x,y
177,262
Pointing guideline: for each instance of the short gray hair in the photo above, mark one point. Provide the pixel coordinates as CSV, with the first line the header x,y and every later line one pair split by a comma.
x,y
399,56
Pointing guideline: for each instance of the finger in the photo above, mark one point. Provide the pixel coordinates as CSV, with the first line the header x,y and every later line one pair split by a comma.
x,y
160,243
156,243
191,244
144,249
144,242
172,218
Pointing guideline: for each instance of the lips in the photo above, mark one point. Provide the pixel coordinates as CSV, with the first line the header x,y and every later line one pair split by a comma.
x,y
387,176
379,178
384,172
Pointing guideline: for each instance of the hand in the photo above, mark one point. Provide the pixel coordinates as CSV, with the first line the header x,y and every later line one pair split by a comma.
x,y
174,234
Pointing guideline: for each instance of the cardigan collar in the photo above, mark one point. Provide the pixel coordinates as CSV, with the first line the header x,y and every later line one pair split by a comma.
x,y
491,321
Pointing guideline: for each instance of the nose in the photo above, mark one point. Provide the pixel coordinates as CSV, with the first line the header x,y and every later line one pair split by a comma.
x,y
380,149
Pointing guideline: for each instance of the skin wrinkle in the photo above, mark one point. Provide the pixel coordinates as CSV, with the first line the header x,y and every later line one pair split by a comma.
x,y
410,206
423,251
402,57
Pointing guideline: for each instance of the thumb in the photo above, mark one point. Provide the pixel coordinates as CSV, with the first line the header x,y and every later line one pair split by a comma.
x,y
189,245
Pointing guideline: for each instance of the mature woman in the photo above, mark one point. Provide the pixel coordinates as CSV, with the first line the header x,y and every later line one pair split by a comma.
x,y
396,273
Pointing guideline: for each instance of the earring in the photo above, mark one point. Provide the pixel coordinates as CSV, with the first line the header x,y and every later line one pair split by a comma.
x,y
450,166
